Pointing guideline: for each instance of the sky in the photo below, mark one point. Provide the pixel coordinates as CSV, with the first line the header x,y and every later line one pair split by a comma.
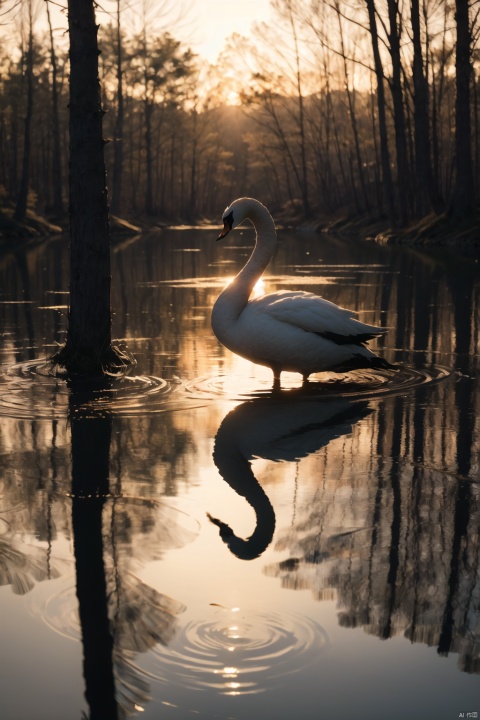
x,y
204,26
213,21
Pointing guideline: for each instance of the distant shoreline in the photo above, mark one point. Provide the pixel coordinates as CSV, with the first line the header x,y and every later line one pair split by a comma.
x,y
431,231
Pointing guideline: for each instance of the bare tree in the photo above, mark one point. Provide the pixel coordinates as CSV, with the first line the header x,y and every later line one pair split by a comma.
x,y
57,154
398,108
463,199
21,206
381,105
119,122
423,170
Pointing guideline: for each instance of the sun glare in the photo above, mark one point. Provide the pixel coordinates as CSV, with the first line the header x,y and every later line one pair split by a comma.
x,y
232,98
258,290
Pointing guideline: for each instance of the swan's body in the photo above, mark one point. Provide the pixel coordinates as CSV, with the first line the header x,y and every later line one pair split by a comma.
x,y
285,330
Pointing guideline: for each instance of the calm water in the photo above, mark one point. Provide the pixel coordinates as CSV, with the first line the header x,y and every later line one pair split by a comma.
x,y
189,544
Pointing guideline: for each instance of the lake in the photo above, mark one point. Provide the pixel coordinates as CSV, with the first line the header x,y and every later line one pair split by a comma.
x,y
186,543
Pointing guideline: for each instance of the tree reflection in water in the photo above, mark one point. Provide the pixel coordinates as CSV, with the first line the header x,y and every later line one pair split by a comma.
x,y
119,615
384,519
409,564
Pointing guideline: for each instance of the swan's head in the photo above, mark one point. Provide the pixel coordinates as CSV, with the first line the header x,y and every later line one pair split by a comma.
x,y
236,213
231,217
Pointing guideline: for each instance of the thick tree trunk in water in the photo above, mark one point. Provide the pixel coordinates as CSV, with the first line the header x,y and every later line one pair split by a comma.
x,y
88,349
463,200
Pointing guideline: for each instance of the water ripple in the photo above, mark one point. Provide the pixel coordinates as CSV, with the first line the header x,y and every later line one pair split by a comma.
x,y
33,390
359,382
238,652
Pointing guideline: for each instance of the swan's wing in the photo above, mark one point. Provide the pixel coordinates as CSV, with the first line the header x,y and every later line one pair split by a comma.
x,y
315,314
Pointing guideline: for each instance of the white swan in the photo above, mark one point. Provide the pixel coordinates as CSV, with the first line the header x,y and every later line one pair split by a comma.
x,y
285,330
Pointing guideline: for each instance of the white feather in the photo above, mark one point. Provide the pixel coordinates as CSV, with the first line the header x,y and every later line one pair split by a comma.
x,y
285,330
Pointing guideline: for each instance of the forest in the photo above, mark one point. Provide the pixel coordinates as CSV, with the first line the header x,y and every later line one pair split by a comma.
x,y
339,108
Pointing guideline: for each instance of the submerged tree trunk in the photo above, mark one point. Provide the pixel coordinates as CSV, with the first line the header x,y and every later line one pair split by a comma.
x,y
89,347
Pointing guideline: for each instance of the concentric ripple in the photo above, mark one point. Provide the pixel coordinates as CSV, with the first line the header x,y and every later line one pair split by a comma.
x,y
238,652
359,382
32,390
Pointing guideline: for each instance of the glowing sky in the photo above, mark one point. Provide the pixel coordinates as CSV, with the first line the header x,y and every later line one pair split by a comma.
x,y
212,21
203,25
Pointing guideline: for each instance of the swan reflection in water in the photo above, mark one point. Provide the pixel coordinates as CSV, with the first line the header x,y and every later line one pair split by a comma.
x,y
280,428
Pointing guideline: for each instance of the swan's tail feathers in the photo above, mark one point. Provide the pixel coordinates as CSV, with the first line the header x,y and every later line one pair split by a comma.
x,y
357,339
360,362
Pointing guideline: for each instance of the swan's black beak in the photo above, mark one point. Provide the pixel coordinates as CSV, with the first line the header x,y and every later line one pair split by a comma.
x,y
227,226
226,229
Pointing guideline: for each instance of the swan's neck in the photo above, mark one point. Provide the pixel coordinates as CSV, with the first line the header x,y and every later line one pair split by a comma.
x,y
236,295
265,244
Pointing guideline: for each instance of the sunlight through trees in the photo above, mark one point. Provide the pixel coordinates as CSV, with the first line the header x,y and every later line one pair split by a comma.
x,y
356,107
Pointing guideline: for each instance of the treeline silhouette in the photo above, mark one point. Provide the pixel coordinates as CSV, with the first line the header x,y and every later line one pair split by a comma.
x,y
368,108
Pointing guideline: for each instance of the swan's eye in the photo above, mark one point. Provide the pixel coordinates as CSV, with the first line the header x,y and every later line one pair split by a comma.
x,y
228,219
227,225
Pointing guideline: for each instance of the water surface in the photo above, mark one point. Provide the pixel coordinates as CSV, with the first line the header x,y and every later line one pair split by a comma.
x,y
184,543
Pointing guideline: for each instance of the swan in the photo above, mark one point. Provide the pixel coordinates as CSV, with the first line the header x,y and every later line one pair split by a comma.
x,y
285,330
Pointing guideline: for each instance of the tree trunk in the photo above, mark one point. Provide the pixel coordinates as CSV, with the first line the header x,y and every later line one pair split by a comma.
x,y
148,105
21,206
463,200
353,119
57,154
423,170
398,110
193,169
382,122
301,120
89,348
118,139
